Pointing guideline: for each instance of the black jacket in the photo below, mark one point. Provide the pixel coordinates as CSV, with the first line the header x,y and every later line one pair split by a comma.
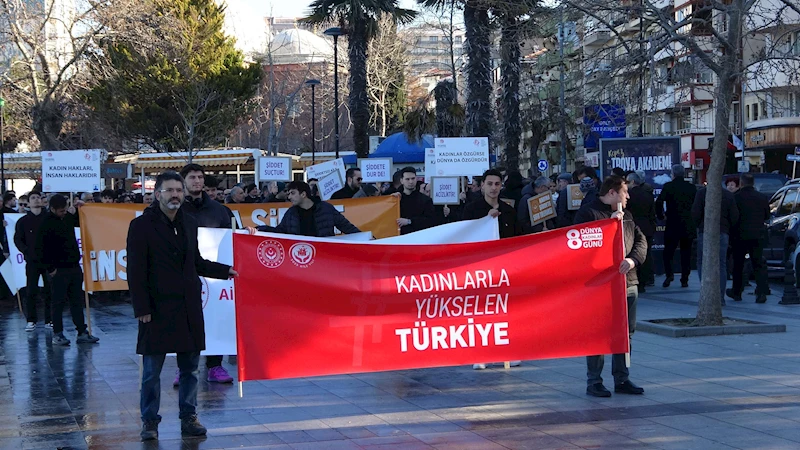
x,y
565,217
418,208
753,212
25,234
524,215
163,278
325,218
207,212
345,192
678,195
506,222
642,207
728,216
635,241
56,246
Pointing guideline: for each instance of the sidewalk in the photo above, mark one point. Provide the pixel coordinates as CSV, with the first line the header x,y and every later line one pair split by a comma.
x,y
701,393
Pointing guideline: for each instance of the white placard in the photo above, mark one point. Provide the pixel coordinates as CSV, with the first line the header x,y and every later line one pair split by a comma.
x,y
445,190
375,170
329,184
461,156
274,168
71,171
319,171
430,163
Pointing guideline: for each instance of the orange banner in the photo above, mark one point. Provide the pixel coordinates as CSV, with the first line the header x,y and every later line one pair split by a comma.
x,y
104,230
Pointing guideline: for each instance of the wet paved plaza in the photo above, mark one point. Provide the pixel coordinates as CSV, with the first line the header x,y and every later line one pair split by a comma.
x,y
701,393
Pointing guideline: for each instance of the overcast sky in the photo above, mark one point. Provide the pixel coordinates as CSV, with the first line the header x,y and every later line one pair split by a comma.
x,y
286,8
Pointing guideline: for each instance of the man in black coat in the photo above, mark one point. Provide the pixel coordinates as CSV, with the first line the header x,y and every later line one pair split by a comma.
x,y
491,205
207,213
25,234
678,196
536,187
416,209
642,207
728,220
614,191
310,216
57,250
746,238
164,265
351,186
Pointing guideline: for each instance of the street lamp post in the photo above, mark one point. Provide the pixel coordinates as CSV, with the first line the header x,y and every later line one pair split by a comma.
x,y
2,148
313,84
336,32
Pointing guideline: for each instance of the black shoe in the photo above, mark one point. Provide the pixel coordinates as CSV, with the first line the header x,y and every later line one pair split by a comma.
x,y
149,430
684,284
642,289
628,388
761,298
667,282
192,427
598,390
732,295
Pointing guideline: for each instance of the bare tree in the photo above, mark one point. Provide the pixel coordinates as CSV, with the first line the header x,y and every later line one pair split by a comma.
x,y
385,73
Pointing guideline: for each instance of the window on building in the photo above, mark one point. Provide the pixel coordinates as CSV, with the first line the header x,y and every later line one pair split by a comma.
x,y
794,104
764,109
754,106
684,121
457,39
434,38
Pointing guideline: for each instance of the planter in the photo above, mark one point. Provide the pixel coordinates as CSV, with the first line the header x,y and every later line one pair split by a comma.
x,y
683,327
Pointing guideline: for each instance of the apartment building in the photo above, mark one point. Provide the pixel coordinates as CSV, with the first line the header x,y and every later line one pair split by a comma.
x,y
429,53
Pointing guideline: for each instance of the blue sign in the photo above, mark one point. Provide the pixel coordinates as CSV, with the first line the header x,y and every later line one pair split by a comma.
x,y
603,122
542,165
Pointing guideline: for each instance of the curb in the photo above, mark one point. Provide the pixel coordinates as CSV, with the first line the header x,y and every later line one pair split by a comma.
x,y
675,332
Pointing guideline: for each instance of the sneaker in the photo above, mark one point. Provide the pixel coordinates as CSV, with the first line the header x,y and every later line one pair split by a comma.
x,y
86,338
192,427
149,430
177,381
49,325
59,339
627,387
219,375
597,390
479,366
30,326
514,363
761,298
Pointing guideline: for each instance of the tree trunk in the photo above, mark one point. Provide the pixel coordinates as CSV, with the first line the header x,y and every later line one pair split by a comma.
x,y
47,123
359,102
478,70
510,72
446,123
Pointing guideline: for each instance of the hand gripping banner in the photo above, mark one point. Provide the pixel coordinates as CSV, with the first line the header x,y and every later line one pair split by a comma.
x,y
318,308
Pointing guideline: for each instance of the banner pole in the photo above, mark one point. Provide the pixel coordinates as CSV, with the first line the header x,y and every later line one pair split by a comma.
x,y
241,391
622,231
88,311
141,370
19,302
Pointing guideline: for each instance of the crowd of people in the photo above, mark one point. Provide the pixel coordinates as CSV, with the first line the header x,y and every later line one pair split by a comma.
x,y
162,248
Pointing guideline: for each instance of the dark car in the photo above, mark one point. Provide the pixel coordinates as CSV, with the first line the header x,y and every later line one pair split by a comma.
x,y
782,228
766,183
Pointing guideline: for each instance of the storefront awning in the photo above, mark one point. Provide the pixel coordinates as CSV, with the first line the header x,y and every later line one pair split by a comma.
x,y
176,161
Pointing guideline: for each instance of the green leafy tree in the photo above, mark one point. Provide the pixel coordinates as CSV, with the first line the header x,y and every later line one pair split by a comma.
x,y
360,18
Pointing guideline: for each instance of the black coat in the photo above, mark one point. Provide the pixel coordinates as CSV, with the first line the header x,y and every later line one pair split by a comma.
x,y
753,212
163,278
565,217
678,195
343,193
642,207
418,208
25,234
56,246
635,240
326,217
506,222
728,216
207,212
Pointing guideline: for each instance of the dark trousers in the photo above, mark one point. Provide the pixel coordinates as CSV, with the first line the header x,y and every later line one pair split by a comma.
x,y
646,273
66,288
741,247
671,243
32,273
594,364
150,399
213,361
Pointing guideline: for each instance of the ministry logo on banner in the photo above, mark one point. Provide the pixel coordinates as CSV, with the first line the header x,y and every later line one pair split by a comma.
x,y
302,254
271,254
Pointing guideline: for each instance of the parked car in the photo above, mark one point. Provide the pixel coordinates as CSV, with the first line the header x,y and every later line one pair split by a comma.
x,y
766,183
783,231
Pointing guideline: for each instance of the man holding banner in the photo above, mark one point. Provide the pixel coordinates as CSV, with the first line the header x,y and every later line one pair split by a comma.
x,y
164,265
309,217
614,192
416,209
490,204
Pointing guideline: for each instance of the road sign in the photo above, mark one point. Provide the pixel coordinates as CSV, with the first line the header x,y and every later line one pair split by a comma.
x,y
542,165
744,166
797,150
793,158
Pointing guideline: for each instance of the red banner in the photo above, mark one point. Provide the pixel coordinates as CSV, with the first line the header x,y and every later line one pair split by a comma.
x,y
306,308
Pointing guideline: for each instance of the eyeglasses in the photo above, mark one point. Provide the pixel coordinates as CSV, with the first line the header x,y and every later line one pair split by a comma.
x,y
171,191
359,178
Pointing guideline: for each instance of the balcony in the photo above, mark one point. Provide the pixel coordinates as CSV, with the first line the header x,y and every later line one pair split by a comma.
x,y
596,38
767,75
661,98
548,60
693,95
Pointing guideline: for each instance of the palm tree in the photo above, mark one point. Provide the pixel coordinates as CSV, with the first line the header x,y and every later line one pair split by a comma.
x,y
478,30
360,19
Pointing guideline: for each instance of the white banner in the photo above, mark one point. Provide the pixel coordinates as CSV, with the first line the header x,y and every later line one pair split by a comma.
x,y
375,170
17,259
461,156
71,171
320,170
274,168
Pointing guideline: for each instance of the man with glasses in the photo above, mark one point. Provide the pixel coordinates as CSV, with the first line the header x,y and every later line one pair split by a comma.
x,y
352,185
22,204
164,266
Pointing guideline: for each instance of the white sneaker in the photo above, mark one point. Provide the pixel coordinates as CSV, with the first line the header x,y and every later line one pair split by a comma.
x,y
30,326
479,366
49,325
515,363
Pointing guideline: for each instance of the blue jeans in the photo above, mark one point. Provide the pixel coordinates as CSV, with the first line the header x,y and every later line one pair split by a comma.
x,y
594,364
723,261
151,385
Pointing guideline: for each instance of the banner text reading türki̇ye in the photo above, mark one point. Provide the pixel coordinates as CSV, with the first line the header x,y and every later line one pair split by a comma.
x,y
334,308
